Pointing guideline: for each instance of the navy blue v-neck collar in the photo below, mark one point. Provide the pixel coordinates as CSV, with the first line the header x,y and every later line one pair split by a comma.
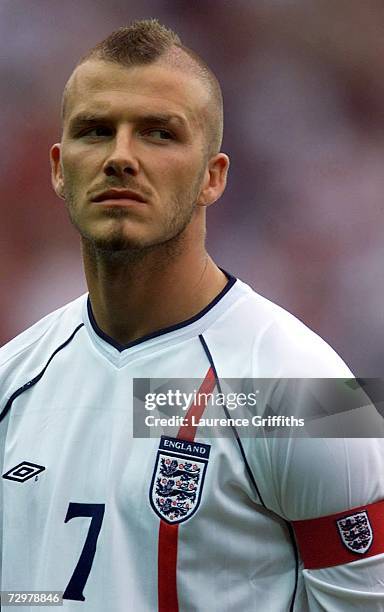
x,y
165,330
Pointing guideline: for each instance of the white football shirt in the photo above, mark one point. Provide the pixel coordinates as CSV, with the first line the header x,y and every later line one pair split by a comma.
x,y
88,509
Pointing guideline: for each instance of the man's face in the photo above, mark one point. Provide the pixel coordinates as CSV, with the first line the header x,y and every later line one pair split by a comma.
x,y
132,164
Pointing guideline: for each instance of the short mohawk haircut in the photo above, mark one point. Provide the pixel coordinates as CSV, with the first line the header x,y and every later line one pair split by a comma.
x,y
144,42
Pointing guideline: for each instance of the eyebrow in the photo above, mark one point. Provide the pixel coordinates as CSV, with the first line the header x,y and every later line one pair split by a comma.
x,y
158,118
85,119
166,119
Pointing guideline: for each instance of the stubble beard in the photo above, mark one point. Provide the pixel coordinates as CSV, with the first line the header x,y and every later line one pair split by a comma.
x,y
117,248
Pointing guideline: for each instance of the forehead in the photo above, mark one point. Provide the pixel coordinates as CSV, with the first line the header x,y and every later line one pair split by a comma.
x,y
109,87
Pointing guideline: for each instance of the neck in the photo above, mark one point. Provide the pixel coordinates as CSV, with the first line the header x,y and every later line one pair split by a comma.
x,y
136,293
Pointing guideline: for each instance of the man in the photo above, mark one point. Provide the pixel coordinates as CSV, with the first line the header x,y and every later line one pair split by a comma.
x,y
183,522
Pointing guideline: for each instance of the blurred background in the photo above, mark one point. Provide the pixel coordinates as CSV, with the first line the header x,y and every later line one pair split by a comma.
x,y
303,216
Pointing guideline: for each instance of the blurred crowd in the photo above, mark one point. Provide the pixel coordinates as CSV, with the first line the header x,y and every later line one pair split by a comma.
x,y
303,216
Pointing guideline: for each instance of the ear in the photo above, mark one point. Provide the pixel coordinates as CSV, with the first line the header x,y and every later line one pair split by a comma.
x,y
56,170
215,180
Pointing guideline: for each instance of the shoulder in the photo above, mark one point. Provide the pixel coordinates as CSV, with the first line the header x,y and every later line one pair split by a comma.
x,y
274,342
24,356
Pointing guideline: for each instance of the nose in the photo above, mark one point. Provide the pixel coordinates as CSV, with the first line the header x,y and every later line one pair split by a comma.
x,y
121,160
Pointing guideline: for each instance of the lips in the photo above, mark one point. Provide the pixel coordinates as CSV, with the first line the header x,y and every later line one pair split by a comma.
x,y
118,194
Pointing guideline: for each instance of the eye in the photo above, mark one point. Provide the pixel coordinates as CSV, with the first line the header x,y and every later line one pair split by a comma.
x,y
160,134
98,131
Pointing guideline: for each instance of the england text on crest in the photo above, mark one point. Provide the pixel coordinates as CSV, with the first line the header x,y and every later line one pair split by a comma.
x,y
356,532
178,478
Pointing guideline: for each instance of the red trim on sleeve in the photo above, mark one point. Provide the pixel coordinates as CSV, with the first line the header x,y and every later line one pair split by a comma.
x,y
168,534
341,538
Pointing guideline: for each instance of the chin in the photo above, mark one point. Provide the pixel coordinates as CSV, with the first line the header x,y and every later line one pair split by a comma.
x,y
118,243
112,239
131,242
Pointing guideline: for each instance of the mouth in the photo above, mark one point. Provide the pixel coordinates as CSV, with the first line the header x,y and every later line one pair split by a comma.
x,y
119,197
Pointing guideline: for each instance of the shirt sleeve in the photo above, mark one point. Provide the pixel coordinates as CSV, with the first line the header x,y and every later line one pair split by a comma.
x,y
340,480
352,587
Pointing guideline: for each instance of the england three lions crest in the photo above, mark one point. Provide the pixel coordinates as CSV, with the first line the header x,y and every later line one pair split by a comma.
x,y
178,478
356,532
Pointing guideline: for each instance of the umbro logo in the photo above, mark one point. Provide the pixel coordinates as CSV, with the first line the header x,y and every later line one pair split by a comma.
x,y
24,471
